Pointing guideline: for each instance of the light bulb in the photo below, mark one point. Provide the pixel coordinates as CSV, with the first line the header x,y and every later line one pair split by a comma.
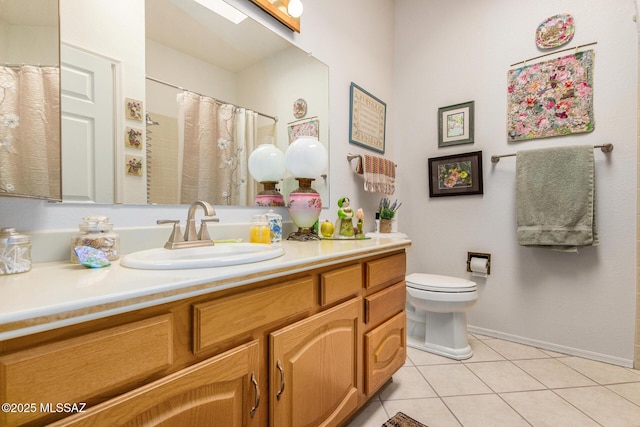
x,y
295,8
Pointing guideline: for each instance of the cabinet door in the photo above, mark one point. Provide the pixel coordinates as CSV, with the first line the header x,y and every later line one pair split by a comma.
x,y
314,368
385,350
221,391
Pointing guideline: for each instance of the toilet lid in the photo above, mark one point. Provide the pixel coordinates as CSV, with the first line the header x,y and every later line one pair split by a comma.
x,y
437,283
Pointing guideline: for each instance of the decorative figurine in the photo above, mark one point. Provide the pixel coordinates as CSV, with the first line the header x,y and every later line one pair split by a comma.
x,y
360,223
344,224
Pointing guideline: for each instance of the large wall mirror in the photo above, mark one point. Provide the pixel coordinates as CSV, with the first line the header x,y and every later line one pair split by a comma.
x,y
164,100
29,99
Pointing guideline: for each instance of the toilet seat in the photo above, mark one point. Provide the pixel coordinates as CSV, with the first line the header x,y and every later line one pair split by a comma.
x,y
438,283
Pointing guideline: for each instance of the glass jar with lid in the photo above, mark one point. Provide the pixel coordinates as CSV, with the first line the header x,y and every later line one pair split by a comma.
x,y
97,232
15,251
259,231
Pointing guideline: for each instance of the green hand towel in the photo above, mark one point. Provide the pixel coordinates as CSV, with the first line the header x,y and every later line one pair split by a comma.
x,y
555,198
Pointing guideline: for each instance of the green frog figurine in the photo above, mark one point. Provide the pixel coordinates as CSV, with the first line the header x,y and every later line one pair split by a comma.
x,y
344,223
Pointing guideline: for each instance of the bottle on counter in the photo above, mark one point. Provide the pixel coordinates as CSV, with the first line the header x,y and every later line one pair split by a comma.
x,y
259,232
96,232
275,225
15,251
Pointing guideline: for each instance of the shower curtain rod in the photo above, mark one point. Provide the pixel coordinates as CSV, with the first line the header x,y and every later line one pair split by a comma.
x,y
275,119
31,65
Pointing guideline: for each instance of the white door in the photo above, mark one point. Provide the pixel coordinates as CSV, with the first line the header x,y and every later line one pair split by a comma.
x,y
88,149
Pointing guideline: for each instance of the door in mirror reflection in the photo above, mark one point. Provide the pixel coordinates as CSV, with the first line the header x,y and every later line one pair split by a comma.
x,y
87,127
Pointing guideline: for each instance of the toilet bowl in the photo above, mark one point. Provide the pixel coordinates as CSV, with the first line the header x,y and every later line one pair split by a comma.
x,y
437,314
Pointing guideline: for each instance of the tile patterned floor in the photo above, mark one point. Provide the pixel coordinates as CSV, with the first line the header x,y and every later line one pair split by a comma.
x,y
508,384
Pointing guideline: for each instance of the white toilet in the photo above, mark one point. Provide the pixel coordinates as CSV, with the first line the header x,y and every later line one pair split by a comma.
x,y
437,314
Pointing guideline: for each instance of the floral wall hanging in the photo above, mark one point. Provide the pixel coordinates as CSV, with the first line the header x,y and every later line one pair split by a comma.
x,y
551,98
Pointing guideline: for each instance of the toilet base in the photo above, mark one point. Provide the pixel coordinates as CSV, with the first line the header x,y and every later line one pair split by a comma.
x,y
452,353
444,334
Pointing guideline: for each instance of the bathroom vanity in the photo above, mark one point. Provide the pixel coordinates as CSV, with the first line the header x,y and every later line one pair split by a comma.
x,y
304,339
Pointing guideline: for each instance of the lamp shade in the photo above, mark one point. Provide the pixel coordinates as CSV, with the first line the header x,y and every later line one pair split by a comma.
x,y
306,157
266,163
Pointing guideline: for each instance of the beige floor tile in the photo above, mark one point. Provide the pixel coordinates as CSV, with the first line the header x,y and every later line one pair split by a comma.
x,y
546,409
421,357
372,415
482,353
431,412
603,405
553,353
600,372
407,383
553,374
504,377
513,351
630,391
453,380
483,411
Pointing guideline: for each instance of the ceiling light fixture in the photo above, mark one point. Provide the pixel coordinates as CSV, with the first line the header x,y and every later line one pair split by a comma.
x,y
295,8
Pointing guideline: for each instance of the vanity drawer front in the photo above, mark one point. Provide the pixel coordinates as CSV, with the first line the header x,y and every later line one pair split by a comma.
x,y
232,316
78,369
386,270
385,352
382,305
339,284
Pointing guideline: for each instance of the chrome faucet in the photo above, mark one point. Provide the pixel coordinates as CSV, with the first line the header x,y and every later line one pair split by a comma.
x,y
191,239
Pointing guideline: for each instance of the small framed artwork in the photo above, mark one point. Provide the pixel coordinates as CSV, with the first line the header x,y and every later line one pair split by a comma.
x,y
455,175
133,138
367,119
133,166
455,124
133,109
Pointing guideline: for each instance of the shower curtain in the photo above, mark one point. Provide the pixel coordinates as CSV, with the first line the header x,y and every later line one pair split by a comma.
x,y
217,140
30,132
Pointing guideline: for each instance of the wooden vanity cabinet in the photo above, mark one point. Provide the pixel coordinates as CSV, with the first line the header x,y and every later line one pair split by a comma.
x,y
305,349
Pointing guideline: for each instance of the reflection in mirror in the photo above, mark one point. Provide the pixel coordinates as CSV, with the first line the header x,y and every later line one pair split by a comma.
x,y
184,61
29,99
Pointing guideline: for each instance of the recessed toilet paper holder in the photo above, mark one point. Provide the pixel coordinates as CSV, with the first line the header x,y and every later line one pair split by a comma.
x,y
478,255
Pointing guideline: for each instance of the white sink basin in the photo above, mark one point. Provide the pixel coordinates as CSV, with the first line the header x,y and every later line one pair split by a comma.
x,y
202,257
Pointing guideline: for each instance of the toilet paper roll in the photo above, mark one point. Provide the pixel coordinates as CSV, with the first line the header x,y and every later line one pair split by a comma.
x,y
479,266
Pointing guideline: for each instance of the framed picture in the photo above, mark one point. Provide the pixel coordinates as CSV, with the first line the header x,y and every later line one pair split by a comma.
x,y
367,119
455,124
455,175
306,127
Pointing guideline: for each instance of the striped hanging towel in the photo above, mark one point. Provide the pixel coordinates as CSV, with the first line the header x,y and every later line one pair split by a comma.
x,y
379,174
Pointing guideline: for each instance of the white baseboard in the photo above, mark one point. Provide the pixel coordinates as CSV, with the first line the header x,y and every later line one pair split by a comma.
x,y
627,363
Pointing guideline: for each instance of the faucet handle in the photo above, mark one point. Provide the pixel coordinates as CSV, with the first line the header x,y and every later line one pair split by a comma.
x,y
204,231
176,234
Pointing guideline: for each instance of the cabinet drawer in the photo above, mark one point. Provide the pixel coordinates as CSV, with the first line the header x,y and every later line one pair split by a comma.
x,y
339,284
386,270
385,352
220,320
384,304
78,369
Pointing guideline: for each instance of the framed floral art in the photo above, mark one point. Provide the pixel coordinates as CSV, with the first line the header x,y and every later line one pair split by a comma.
x,y
551,98
455,175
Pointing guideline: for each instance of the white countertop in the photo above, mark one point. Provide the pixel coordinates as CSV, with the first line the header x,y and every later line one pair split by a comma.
x,y
57,294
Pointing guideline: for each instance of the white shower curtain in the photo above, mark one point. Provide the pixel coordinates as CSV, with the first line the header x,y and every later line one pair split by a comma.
x,y
217,140
30,132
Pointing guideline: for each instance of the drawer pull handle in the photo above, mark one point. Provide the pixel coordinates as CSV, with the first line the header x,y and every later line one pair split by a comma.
x,y
257,395
279,393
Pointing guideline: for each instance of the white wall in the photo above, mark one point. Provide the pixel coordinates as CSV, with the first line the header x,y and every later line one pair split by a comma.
x,y
452,52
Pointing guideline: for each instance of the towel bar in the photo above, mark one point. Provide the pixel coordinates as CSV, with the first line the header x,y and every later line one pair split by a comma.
x,y
606,148
358,156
